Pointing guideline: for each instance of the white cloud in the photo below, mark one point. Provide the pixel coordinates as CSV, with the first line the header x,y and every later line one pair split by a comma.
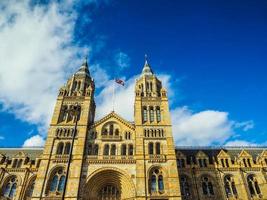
x,y
34,141
245,126
240,143
202,128
36,51
122,60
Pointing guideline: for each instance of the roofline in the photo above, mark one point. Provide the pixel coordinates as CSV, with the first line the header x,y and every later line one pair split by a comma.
x,y
218,147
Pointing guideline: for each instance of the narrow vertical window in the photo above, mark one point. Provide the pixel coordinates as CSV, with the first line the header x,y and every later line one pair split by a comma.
x,y
61,183
160,183
153,183
151,114
113,150
158,148
123,149
60,148
54,182
111,129
106,150
151,148
158,114
130,150
95,149
67,148
144,114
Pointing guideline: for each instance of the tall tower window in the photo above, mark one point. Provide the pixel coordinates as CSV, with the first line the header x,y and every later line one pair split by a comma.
x,y
60,148
144,114
151,114
158,114
67,148
130,149
151,148
157,148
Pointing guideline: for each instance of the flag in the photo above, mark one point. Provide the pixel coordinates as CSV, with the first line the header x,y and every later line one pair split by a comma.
x,y
119,81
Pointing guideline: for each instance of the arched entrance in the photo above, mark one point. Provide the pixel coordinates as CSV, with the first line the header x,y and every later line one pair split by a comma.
x,y
109,184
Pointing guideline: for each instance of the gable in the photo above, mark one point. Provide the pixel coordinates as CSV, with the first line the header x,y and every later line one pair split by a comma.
x,y
244,153
201,154
112,118
223,154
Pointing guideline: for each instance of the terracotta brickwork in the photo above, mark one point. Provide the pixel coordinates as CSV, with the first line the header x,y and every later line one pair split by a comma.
x,y
112,158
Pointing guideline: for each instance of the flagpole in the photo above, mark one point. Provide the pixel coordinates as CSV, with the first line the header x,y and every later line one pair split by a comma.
x,y
113,95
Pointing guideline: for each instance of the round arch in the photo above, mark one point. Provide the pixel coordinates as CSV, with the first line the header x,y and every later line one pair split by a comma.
x,y
109,176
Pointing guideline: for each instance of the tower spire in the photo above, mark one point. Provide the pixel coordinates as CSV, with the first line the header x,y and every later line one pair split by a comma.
x,y
147,69
84,67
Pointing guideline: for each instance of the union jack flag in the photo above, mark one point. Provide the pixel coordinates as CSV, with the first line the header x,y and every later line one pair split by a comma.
x,y
119,81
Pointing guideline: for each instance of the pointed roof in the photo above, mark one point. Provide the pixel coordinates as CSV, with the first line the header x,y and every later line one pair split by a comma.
x,y
84,68
147,69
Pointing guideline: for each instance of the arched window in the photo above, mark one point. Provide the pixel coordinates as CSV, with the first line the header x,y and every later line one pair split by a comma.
x,y
130,150
67,148
57,181
156,181
95,152
158,114
207,186
113,150
9,189
151,148
123,149
30,188
151,114
106,150
185,189
60,148
144,114
229,185
158,148
253,185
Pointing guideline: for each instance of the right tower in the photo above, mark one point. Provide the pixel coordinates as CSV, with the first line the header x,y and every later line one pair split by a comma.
x,y
156,168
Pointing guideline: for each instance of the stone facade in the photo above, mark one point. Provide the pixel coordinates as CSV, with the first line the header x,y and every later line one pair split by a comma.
x,y
113,158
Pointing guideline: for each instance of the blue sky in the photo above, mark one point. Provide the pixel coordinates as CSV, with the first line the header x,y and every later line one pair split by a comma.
x,y
211,56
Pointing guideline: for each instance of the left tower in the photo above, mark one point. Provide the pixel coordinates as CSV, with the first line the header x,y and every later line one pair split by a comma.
x,y
59,173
